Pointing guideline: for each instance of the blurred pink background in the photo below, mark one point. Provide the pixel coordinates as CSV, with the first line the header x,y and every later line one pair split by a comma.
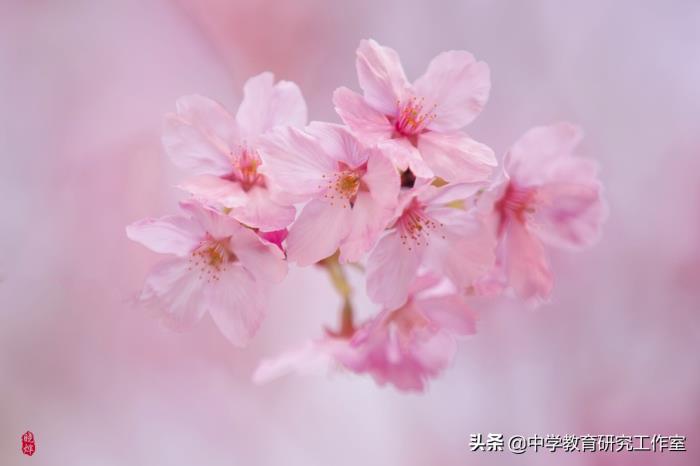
x,y
83,87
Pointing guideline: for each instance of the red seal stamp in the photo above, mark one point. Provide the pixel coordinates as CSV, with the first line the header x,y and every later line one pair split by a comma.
x,y
28,443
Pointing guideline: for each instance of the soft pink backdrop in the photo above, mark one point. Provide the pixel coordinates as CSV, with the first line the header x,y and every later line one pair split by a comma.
x,y
83,86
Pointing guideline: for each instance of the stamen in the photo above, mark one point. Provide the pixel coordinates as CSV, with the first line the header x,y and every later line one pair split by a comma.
x,y
415,227
517,202
211,258
413,118
244,168
343,185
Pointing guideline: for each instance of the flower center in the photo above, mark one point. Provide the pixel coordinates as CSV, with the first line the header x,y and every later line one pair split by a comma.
x,y
415,226
344,184
516,203
412,118
211,258
244,169
407,319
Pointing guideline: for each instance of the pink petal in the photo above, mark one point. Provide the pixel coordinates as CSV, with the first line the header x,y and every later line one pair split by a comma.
x,y
275,237
338,143
458,86
368,220
456,157
211,220
569,215
449,312
381,76
261,211
527,269
404,155
318,231
216,189
264,260
449,193
372,210
172,234
209,116
464,251
311,358
391,267
424,281
295,161
191,150
528,159
382,178
433,355
266,105
236,302
403,357
368,123
176,292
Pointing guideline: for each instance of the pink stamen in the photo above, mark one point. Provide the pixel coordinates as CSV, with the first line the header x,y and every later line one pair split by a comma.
x,y
415,226
412,118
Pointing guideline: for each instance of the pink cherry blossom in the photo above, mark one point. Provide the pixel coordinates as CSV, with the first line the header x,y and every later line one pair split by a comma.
x,y
314,357
352,190
427,229
403,347
416,342
423,120
219,266
222,154
546,195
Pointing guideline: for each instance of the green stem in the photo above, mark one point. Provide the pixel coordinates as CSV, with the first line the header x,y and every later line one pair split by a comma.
x,y
340,282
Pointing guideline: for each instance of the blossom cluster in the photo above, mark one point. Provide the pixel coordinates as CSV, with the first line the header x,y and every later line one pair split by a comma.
x,y
399,187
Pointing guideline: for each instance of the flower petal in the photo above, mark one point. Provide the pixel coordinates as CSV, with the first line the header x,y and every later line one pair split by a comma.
x,y
263,259
391,268
216,189
449,193
313,357
458,86
569,215
369,124
449,312
404,156
266,105
528,159
191,150
338,143
526,265
199,137
209,116
236,302
382,178
214,222
295,161
456,157
176,292
262,212
318,231
368,219
465,250
173,234
381,76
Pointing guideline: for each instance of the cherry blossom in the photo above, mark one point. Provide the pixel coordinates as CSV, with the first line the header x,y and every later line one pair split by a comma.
x,y
222,154
546,195
352,189
399,192
404,347
428,229
422,121
218,266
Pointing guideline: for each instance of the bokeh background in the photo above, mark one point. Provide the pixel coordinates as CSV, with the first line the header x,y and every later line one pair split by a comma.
x,y
83,87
